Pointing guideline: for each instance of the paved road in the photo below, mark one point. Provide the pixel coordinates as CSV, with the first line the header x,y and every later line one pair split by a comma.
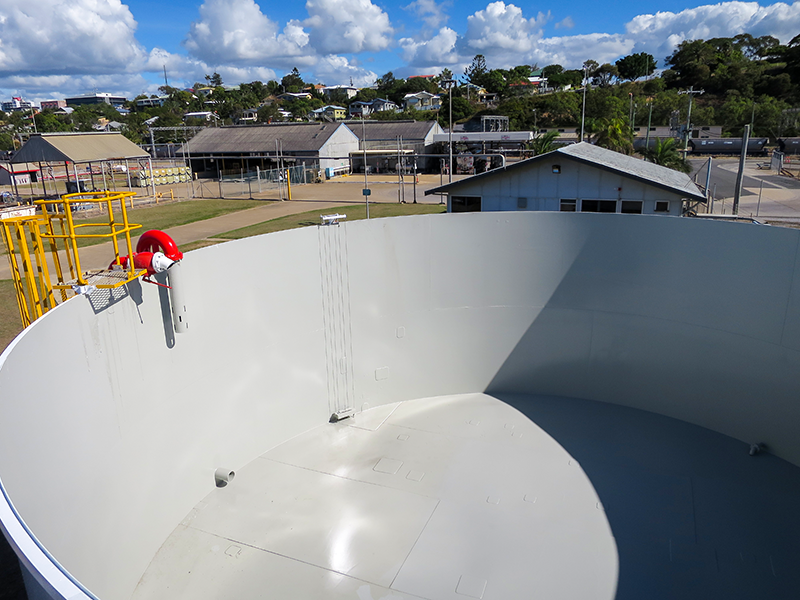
x,y
779,195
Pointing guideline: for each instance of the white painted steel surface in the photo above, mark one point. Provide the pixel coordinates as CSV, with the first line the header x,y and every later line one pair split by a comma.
x,y
111,426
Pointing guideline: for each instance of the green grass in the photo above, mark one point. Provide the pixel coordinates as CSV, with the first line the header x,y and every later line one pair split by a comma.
x,y
169,215
10,323
354,212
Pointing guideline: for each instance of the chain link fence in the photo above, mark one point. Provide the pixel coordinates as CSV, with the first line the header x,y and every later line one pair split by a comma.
x,y
253,184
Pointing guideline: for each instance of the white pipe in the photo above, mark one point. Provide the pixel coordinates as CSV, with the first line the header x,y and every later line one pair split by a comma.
x,y
176,292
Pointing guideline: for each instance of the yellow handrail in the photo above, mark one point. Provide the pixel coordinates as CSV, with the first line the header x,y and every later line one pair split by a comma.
x,y
27,236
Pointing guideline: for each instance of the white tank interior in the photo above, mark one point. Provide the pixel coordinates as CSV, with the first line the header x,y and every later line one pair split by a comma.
x,y
554,405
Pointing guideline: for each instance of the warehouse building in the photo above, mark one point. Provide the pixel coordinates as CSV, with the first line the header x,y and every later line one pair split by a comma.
x,y
219,151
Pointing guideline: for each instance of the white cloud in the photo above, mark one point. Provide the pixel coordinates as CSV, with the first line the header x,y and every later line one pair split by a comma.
x,y
236,32
428,11
51,87
80,36
335,70
571,51
439,50
347,26
500,28
661,32
566,23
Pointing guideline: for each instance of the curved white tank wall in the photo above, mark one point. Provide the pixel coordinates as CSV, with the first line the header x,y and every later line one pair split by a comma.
x,y
112,426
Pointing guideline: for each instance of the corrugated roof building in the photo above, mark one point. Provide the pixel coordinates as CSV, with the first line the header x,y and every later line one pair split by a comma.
x,y
385,140
580,177
78,148
217,150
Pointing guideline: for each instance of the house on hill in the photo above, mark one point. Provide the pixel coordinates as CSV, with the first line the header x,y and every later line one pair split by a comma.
x,y
422,101
576,178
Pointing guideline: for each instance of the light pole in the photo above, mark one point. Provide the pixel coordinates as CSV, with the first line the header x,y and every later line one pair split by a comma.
x,y
450,83
630,111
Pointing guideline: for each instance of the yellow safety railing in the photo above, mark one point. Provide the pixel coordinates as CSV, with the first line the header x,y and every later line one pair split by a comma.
x,y
50,238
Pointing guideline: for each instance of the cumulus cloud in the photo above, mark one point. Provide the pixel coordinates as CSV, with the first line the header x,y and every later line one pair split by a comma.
x,y
661,32
81,36
347,26
49,48
51,87
501,28
441,49
428,11
335,70
236,32
571,51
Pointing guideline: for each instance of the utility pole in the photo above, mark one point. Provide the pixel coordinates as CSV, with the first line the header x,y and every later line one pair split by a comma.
x,y
649,120
691,91
740,175
583,109
366,191
450,83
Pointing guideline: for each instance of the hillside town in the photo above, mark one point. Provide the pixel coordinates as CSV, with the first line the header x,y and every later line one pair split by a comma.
x,y
717,86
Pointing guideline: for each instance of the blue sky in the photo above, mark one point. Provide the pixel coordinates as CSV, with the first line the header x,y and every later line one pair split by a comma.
x,y
50,49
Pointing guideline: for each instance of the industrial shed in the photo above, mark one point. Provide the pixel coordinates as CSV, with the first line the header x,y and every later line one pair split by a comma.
x,y
576,178
385,141
218,151
108,150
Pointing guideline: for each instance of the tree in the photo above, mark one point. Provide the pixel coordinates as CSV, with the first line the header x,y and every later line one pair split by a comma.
x,y
551,70
615,134
566,78
634,66
665,153
476,72
214,80
269,113
604,75
755,48
462,109
445,75
386,83
292,82
544,143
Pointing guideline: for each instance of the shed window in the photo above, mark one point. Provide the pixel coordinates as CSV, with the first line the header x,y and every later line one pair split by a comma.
x,y
603,206
522,203
569,205
631,207
465,204
662,206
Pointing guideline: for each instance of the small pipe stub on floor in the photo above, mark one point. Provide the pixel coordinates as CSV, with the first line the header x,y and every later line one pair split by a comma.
x,y
223,477
341,415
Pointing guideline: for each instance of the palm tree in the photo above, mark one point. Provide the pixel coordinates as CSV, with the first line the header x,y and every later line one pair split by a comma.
x,y
615,134
665,153
543,144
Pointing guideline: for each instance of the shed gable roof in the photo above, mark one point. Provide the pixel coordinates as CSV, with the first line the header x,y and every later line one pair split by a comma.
x,y
294,137
391,130
627,166
78,148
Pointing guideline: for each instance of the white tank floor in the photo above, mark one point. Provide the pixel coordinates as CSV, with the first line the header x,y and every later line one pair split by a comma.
x,y
451,497
474,496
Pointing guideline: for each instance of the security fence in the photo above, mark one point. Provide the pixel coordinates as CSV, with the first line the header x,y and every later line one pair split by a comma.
x,y
250,184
